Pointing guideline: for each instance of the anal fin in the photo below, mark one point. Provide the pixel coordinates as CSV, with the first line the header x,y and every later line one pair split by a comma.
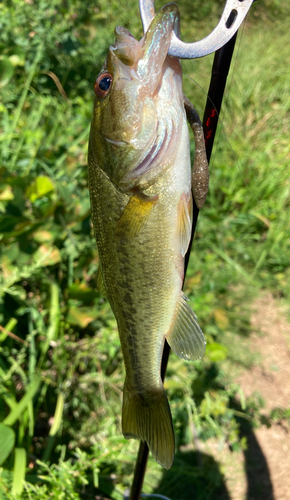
x,y
185,336
135,215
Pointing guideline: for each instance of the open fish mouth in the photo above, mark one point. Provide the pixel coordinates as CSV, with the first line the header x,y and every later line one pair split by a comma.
x,y
139,134
140,68
146,58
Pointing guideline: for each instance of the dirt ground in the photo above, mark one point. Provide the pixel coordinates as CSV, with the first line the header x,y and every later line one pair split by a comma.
x,y
263,471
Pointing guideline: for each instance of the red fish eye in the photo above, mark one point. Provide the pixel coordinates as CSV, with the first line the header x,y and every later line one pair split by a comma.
x,y
103,84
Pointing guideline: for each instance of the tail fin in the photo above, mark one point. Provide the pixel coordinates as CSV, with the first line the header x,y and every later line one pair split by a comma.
x,y
147,416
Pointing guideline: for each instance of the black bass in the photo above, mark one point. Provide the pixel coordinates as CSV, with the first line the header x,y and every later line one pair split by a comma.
x,y
141,199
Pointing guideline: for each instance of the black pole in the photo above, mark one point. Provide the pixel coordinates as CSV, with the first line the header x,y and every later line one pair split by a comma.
x,y
220,69
219,74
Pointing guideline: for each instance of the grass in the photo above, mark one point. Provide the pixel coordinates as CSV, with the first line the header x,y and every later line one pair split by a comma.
x,y
60,361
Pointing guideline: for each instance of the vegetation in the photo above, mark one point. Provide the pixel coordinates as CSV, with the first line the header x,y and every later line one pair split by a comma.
x,y
61,371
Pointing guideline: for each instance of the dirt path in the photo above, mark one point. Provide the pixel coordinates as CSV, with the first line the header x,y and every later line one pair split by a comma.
x,y
263,471
271,378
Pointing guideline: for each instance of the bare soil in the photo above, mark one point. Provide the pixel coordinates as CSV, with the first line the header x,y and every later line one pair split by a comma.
x,y
263,471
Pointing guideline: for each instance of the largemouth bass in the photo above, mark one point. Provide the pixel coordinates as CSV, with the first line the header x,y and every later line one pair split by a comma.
x,y
141,199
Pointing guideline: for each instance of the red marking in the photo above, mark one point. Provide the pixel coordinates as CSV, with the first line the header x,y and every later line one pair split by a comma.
x,y
208,132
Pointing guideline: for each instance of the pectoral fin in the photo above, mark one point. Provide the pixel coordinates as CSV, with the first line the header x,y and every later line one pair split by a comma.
x,y
185,336
135,215
184,223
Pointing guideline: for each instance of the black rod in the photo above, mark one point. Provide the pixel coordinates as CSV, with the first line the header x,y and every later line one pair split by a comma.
x,y
220,69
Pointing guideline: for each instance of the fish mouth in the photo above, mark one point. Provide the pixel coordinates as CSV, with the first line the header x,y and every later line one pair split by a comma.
x,y
156,42
145,59
141,135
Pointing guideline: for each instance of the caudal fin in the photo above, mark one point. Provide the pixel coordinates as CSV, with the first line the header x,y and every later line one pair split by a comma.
x,y
147,416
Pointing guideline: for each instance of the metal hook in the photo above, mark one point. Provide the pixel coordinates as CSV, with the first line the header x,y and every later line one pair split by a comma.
x,y
232,17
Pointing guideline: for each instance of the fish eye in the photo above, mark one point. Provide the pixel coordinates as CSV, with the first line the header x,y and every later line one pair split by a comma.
x,y
103,84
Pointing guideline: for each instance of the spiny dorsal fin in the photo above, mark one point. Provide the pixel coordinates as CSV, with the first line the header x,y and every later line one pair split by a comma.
x,y
185,336
135,215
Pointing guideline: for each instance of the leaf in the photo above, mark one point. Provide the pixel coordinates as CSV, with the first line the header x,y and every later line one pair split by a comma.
x,y
190,283
7,329
6,71
22,404
41,187
54,313
19,471
96,476
6,194
9,222
221,318
17,56
57,419
81,316
54,316
47,256
43,236
216,352
82,292
17,291
7,440
48,233
173,384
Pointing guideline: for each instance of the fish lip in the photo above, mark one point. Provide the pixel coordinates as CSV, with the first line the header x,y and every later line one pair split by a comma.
x,y
145,58
155,45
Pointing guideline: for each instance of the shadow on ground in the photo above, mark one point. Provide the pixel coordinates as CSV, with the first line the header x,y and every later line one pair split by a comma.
x,y
256,468
193,476
197,476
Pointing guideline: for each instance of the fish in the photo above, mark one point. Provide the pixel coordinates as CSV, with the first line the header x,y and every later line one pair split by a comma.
x,y
140,187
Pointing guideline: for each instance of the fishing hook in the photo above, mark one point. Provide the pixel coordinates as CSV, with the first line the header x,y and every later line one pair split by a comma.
x,y
232,17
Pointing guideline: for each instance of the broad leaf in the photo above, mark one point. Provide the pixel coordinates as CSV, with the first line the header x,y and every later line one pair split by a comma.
x,y
6,71
7,440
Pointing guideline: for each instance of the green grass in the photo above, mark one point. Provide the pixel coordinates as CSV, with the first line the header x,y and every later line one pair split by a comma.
x,y
61,371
